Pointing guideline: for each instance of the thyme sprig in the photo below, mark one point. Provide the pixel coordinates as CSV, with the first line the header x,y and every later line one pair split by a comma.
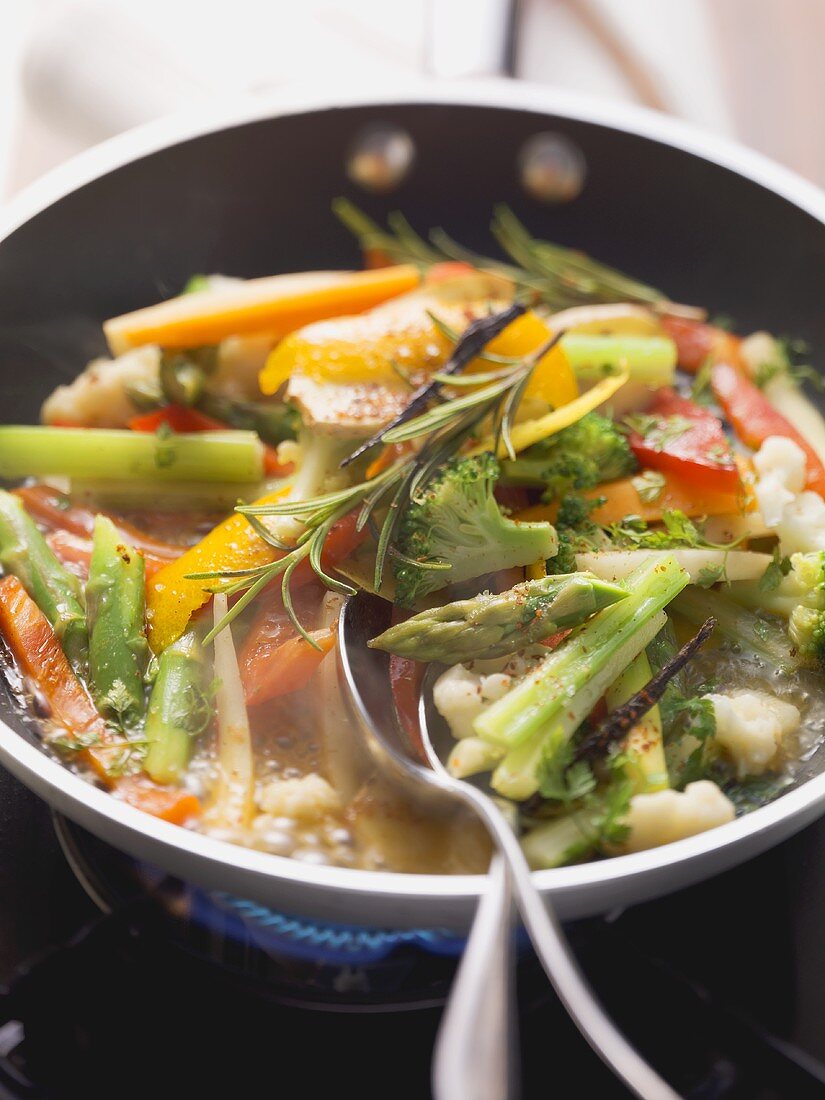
x,y
440,431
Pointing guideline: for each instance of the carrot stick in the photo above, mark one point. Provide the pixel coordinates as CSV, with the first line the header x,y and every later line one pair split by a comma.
x,y
272,627
290,667
56,511
622,499
276,305
173,804
39,657
75,550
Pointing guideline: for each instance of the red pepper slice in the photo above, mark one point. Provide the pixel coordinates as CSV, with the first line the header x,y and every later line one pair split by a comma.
x,y
181,418
754,418
700,453
695,341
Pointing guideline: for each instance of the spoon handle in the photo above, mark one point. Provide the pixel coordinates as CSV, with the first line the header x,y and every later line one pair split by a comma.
x,y
560,966
475,1055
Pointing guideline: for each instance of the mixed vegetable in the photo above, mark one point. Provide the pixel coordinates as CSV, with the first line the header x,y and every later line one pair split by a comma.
x,y
599,514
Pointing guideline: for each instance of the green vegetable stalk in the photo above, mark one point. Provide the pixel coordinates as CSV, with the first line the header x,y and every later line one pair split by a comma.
x,y
540,698
118,650
34,451
650,360
178,709
495,625
764,637
58,593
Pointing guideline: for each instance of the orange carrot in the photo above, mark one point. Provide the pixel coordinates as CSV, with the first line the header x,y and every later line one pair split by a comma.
x,y
449,269
289,668
41,660
181,418
56,511
622,499
276,305
272,628
171,804
76,550
406,677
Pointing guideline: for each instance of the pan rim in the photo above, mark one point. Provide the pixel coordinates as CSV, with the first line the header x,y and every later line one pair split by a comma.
x,y
71,794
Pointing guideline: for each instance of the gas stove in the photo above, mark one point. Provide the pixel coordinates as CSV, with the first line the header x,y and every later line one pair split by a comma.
x,y
119,980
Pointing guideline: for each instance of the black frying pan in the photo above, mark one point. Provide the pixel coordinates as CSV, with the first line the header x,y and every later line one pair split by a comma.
x,y
129,223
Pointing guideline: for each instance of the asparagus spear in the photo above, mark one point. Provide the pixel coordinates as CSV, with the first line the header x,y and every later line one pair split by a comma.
x,y
539,698
495,625
178,709
25,553
118,650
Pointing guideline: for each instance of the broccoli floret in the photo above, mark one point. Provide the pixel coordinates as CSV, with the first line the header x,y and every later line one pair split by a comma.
x,y
576,531
795,590
587,453
455,520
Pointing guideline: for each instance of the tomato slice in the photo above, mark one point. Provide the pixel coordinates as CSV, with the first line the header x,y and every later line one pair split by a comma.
x,y
687,440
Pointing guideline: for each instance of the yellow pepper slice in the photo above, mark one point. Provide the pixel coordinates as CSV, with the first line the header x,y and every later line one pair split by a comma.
x,y
397,334
172,598
532,431
553,381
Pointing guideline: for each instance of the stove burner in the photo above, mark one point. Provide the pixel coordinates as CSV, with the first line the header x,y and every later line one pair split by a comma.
x,y
301,960
210,989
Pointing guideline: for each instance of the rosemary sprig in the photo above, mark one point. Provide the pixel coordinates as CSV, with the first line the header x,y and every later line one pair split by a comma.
x,y
442,429
557,276
475,338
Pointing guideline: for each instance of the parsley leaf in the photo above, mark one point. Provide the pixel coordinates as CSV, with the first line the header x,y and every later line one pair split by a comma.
x,y
658,431
709,575
701,392
649,485
778,568
164,450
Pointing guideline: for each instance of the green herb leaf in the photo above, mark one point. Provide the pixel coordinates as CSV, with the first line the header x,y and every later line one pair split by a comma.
x,y
709,575
649,485
778,568
658,431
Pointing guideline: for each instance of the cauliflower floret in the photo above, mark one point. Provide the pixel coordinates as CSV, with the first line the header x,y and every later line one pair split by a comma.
x,y
464,691
97,398
780,466
802,526
750,728
309,798
240,360
471,756
457,698
664,816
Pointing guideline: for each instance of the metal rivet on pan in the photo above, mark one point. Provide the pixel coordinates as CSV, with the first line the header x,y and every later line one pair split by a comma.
x,y
552,168
380,157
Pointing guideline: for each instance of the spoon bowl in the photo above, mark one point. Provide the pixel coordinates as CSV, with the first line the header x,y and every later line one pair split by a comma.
x,y
462,1064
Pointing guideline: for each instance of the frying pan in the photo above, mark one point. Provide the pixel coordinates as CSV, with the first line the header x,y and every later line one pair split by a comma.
x,y
247,192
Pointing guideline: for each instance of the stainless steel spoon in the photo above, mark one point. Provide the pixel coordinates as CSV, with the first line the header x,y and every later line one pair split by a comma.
x,y
473,1055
